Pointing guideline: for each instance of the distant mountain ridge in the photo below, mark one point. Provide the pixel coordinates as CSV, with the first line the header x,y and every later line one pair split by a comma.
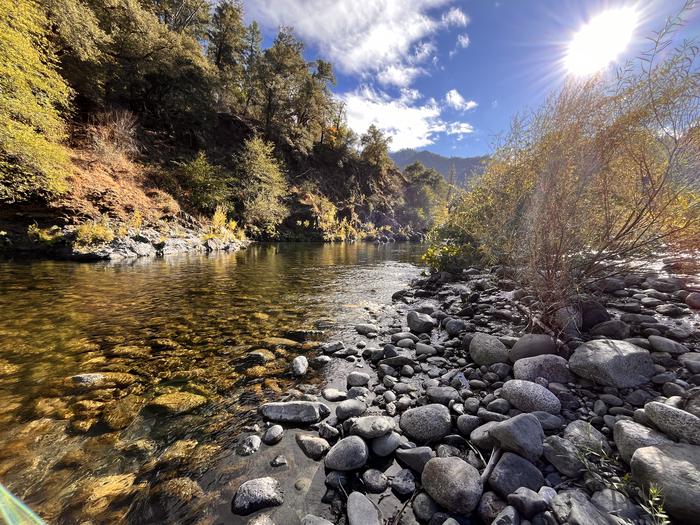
x,y
466,167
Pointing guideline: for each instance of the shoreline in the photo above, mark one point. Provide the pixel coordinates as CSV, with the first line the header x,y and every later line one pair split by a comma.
x,y
426,386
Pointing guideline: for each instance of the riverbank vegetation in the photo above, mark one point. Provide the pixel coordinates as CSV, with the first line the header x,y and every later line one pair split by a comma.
x,y
602,176
112,108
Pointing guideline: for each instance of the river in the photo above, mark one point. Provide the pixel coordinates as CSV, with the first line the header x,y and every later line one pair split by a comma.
x,y
84,349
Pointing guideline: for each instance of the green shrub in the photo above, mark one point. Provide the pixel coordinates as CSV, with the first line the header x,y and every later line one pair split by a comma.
x,y
204,182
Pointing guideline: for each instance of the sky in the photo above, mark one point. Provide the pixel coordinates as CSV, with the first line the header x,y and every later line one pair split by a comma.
x,y
449,75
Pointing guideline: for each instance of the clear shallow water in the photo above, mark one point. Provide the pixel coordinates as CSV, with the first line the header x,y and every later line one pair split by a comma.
x,y
204,327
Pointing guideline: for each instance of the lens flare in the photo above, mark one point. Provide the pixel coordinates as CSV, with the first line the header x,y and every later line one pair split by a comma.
x,y
601,41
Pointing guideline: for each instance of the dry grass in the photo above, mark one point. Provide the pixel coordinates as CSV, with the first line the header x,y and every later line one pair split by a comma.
x,y
97,187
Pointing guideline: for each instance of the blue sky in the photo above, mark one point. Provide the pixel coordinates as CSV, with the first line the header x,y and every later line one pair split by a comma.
x,y
448,75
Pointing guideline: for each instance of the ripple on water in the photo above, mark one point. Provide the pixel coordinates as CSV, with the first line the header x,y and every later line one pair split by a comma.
x,y
122,384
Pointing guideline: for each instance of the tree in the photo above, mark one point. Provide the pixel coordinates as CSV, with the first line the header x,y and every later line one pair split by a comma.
x,y
182,16
32,95
260,187
225,50
425,197
252,55
227,37
375,148
282,72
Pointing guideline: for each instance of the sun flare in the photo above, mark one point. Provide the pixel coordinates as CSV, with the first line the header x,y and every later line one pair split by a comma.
x,y
601,41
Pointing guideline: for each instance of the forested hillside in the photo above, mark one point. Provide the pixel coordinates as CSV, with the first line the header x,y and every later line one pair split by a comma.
x,y
460,170
129,111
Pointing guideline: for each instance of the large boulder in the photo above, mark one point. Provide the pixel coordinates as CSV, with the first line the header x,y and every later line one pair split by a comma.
x,y
675,470
530,397
426,423
531,345
553,368
612,363
521,434
674,421
420,323
629,436
299,412
487,349
453,483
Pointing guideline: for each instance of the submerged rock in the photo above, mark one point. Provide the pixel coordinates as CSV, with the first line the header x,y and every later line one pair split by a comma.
x,y
177,402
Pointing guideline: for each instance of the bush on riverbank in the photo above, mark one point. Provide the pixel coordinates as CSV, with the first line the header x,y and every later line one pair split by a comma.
x,y
605,172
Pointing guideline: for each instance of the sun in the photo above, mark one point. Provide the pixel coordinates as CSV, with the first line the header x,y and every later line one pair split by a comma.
x,y
601,41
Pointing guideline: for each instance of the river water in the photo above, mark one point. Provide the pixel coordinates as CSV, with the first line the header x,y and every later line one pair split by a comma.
x,y
218,329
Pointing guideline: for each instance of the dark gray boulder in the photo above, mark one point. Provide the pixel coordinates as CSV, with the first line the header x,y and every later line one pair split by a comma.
x,y
453,483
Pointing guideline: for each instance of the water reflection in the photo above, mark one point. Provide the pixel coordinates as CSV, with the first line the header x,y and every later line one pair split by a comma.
x,y
193,328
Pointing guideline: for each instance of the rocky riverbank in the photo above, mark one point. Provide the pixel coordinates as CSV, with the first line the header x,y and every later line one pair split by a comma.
x,y
448,412
176,237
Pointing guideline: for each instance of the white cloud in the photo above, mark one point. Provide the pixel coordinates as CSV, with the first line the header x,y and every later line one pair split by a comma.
x,y
463,42
399,75
387,37
460,129
410,123
458,102
455,17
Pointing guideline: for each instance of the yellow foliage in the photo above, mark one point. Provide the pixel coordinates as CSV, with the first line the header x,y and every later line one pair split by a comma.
x,y
44,235
32,94
93,233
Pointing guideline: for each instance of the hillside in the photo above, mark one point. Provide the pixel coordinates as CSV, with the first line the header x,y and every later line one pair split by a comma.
x,y
465,167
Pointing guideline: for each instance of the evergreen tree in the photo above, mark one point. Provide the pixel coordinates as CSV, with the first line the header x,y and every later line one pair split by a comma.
x,y
252,55
375,148
260,187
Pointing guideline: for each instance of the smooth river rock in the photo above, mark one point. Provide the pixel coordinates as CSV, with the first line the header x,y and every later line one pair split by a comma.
x,y
674,421
300,412
361,511
349,453
426,423
453,483
257,494
487,349
530,397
